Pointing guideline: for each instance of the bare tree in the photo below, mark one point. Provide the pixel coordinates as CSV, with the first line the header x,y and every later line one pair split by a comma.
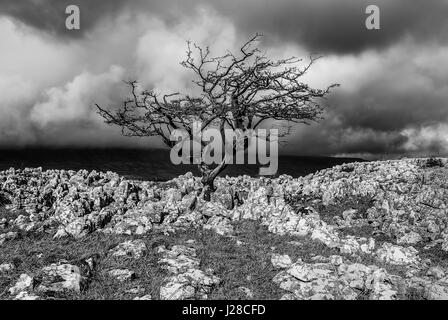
x,y
238,91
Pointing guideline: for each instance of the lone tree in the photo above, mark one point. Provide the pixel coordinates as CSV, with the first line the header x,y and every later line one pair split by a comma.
x,y
239,91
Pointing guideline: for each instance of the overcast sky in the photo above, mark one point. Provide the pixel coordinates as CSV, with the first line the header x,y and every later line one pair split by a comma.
x,y
393,98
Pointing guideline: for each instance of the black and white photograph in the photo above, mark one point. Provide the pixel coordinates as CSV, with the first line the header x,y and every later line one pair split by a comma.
x,y
223,152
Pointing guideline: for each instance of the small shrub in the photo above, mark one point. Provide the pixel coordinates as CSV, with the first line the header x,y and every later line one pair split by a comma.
x,y
415,294
434,162
348,168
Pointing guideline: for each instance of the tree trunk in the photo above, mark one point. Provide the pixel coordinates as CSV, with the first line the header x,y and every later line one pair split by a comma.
x,y
208,188
208,178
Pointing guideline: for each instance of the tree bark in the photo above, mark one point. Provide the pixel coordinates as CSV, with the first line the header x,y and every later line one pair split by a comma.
x,y
208,178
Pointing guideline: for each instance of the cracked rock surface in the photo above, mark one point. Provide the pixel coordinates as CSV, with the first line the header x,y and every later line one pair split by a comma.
x,y
384,222
186,281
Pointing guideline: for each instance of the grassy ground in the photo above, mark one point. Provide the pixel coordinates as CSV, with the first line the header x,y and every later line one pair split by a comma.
x,y
242,260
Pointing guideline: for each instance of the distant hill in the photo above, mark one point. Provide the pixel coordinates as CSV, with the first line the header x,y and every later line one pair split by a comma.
x,y
147,164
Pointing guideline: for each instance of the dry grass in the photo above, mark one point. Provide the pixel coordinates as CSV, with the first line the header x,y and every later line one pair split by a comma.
x,y
246,265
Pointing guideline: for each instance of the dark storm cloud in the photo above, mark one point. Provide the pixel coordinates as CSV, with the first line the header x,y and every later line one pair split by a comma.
x,y
50,16
321,25
393,98
339,26
384,109
393,103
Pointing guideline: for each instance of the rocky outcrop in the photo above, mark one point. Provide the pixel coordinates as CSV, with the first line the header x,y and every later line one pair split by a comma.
x,y
186,281
404,201
131,248
408,197
122,274
53,279
24,282
332,278
58,277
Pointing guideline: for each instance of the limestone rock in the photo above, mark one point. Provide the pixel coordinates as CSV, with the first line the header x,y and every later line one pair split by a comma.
x,y
5,267
122,274
58,277
24,282
410,238
397,255
186,281
8,236
328,281
131,248
247,292
435,272
24,295
145,297
281,261
220,225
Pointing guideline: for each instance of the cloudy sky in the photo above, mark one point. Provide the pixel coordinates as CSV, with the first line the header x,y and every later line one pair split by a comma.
x,y
393,99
